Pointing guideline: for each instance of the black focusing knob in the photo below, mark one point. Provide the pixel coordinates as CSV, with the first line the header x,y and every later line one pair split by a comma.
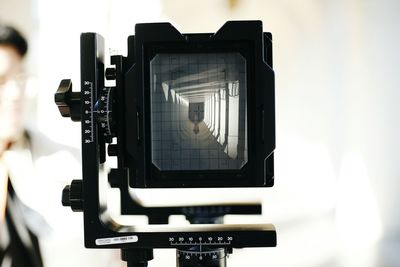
x,y
111,74
68,102
72,195
112,150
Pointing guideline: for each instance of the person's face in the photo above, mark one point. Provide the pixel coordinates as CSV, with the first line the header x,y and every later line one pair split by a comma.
x,y
11,93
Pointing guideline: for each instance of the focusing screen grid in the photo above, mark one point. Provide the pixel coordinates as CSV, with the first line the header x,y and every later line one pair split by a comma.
x,y
198,111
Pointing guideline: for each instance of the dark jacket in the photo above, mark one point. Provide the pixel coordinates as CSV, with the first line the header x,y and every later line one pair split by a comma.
x,y
20,246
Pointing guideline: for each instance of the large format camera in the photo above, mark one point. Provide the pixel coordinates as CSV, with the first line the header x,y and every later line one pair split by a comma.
x,y
186,111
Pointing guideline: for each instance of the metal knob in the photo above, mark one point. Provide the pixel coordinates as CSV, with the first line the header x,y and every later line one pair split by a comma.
x,y
111,74
68,102
72,195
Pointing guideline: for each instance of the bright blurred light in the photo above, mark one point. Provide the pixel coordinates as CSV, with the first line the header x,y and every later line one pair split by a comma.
x,y
357,213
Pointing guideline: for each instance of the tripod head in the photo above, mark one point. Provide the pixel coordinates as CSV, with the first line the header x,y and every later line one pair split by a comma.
x,y
187,110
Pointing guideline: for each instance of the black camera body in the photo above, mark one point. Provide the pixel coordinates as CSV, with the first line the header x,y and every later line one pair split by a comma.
x,y
186,110
242,42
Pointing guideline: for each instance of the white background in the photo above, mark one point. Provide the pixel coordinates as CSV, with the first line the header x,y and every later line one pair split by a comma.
x,y
337,79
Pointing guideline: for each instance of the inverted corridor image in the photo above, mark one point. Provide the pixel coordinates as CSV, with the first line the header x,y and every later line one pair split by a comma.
x,y
198,111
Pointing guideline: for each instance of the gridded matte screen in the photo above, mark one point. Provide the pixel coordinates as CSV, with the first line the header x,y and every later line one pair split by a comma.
x,y
198,111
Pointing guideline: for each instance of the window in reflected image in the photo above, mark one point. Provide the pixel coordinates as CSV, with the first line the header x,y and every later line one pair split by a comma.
x,y
198,111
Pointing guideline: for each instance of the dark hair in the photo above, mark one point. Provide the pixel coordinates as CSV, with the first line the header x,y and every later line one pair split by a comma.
x,y
10,36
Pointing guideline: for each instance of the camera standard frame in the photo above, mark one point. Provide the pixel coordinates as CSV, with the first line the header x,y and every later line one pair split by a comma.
x,y
244,37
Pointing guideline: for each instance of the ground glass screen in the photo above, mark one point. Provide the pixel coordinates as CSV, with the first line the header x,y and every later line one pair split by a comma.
x,y
198,111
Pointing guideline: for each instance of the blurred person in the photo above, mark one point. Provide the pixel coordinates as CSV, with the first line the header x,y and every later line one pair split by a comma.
x,y
35,230
19,245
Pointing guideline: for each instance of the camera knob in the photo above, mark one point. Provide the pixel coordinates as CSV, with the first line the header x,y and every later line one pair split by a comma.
x,y
68,102
72,195
111,74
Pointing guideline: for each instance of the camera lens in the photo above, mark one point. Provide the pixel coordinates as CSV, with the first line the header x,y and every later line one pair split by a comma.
x,y
198,111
